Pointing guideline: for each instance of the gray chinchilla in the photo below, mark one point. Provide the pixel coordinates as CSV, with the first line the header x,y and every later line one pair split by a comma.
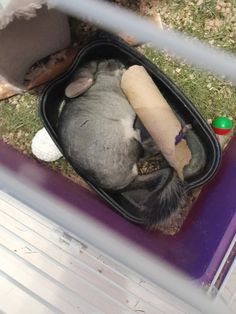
x,y
97,133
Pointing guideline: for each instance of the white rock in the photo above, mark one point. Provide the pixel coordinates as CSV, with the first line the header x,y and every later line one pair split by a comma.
x,y
44,148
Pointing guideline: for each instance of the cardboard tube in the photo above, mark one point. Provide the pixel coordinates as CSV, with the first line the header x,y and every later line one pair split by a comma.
x,y
156,115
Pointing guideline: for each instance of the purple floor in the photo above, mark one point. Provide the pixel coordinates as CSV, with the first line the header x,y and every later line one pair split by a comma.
x,y
204,238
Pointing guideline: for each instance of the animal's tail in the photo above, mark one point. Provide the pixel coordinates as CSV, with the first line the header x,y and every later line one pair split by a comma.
x,y
166,195
163,201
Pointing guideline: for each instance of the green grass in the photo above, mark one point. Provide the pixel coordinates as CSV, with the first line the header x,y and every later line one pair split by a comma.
x,y
207,22
211,96
19,123
19,120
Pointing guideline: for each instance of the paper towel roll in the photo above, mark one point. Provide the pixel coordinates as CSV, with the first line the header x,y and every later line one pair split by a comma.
x,y
156,115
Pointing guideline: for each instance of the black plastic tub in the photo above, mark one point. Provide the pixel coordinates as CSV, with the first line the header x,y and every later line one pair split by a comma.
x,y
106,46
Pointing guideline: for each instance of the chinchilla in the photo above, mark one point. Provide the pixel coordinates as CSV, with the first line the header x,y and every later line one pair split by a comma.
x,y
97,132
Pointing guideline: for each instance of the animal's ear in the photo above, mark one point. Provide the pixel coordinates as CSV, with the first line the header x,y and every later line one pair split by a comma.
x,y
78,87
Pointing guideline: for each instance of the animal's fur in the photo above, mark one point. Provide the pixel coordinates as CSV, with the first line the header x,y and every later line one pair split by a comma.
x,y
96,131
18,9
162,203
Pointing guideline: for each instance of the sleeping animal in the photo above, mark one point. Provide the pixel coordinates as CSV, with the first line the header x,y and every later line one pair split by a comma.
x,y
97,132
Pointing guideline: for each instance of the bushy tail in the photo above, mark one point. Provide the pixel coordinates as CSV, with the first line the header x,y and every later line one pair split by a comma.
x,y
164,201
166,195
